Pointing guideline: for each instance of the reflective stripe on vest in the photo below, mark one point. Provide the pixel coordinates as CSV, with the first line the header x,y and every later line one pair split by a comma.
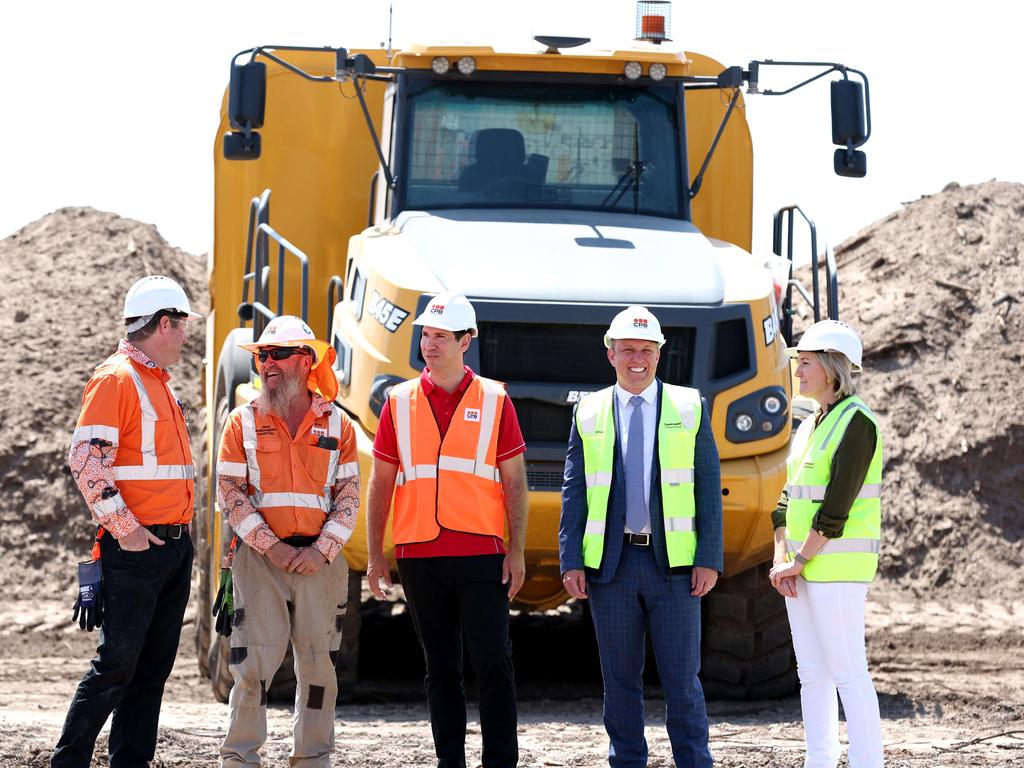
x,y
679,421
462,468
150,469
854,555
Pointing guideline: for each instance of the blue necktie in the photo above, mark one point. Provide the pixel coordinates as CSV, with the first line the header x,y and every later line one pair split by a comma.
x,y
637,516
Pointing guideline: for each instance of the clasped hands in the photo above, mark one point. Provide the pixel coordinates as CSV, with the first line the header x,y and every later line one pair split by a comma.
x,y
302,560
783,577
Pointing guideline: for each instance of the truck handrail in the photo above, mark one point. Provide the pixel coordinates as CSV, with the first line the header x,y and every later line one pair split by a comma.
x,y
259,213
265,232
332,298
784,217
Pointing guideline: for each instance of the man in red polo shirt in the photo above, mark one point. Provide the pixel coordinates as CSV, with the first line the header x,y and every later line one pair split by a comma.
x,y
450,452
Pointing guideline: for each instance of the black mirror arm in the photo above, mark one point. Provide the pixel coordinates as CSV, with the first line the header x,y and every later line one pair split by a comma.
x,y
356,68
699,179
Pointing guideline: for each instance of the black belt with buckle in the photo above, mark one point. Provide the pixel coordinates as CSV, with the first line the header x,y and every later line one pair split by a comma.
x,y
300,541
639,539
167,531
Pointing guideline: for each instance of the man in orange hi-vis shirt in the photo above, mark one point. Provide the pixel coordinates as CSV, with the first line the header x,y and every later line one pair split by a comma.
x,y
449,450
288,479
130,457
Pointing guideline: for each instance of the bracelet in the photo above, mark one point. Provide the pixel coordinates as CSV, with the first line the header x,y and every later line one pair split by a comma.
x,y
800,559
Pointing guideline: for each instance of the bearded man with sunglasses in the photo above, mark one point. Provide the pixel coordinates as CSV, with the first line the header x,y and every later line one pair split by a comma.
x,y
288,480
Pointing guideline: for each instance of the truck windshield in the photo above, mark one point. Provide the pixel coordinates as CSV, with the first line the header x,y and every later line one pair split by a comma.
x,y
539,145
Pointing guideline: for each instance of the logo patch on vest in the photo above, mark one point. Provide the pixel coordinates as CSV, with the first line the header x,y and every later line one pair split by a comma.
x,y
472,414
319,431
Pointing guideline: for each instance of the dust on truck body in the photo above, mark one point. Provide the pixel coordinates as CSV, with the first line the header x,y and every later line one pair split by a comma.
x,y
553,189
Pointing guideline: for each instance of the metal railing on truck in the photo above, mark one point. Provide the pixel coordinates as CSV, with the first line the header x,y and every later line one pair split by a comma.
x,y
783,223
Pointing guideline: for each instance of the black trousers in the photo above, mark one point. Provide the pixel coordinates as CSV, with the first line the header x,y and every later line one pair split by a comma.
x,y
456,599
145,594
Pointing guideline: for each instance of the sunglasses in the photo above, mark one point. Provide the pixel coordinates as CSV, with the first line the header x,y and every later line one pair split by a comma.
x,y
280,353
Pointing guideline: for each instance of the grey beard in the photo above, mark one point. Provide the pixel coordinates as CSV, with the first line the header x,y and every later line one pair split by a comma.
x,y
278,400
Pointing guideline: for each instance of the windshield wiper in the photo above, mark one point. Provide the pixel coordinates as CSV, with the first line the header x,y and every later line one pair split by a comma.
x,y
635,171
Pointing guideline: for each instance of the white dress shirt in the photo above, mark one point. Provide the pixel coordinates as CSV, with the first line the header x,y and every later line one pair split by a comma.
x,y
649,411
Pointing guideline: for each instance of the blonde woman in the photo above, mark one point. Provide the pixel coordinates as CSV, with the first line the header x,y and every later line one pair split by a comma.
x,y
827,535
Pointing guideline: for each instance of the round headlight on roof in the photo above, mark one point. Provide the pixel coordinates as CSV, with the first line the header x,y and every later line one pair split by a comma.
x,y
632,70
440,65
467,65
657,71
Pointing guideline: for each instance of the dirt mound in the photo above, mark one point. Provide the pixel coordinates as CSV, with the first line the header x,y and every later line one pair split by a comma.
x,y
937,290
64,278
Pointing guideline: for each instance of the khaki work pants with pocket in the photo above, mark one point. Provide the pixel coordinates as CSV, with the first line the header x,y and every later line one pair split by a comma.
x,y
271,607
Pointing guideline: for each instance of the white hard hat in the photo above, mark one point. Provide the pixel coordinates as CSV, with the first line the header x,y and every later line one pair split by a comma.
x,y
152,293
450,312
292,331
831,336
635,323
289,331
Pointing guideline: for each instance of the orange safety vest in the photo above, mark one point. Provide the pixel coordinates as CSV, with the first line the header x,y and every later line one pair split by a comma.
x,y
453,482
132,406
289,479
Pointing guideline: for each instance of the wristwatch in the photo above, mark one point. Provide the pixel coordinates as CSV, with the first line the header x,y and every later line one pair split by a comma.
x,y
800,559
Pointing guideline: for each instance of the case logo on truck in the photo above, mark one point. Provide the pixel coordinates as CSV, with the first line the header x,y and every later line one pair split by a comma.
x,y
575,395
386,313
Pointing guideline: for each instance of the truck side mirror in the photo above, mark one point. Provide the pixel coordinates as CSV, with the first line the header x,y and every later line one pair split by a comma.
x,y
247,95
850,162
848,128
247,100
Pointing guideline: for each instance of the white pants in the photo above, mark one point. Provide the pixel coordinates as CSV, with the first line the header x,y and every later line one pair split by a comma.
x,y
827,620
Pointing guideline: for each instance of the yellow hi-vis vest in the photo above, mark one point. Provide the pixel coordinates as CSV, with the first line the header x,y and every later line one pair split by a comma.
x,y
854,555
677,434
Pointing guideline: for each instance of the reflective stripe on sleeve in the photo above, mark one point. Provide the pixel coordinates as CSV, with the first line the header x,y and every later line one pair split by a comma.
x,y
95,431
336,529
108,506
249,523
348,469
158,472
231,468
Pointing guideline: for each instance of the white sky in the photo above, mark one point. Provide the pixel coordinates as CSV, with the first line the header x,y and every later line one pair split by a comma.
x,y
115,104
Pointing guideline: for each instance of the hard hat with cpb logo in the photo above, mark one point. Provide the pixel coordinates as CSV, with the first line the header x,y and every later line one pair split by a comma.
x,y
831,336
635,323
292,331
449,312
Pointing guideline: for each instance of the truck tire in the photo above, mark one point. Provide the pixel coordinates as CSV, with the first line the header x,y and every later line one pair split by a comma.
x,y
747,652
346,660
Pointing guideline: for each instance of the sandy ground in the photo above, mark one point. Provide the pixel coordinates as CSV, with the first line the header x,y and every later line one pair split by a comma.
x,y
950,678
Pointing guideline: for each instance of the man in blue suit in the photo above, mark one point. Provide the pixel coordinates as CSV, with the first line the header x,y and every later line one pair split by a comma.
x,y
641,538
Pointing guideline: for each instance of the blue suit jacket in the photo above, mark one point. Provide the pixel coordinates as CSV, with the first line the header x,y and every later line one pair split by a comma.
x,y
707,495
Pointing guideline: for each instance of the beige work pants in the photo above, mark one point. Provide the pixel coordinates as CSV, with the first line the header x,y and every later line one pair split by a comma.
x,y
271,607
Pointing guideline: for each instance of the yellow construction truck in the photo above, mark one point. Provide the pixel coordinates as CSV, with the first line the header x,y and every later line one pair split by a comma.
x,y
553,187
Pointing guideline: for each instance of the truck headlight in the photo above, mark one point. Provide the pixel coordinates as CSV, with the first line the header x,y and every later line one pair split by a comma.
x,y
756,416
